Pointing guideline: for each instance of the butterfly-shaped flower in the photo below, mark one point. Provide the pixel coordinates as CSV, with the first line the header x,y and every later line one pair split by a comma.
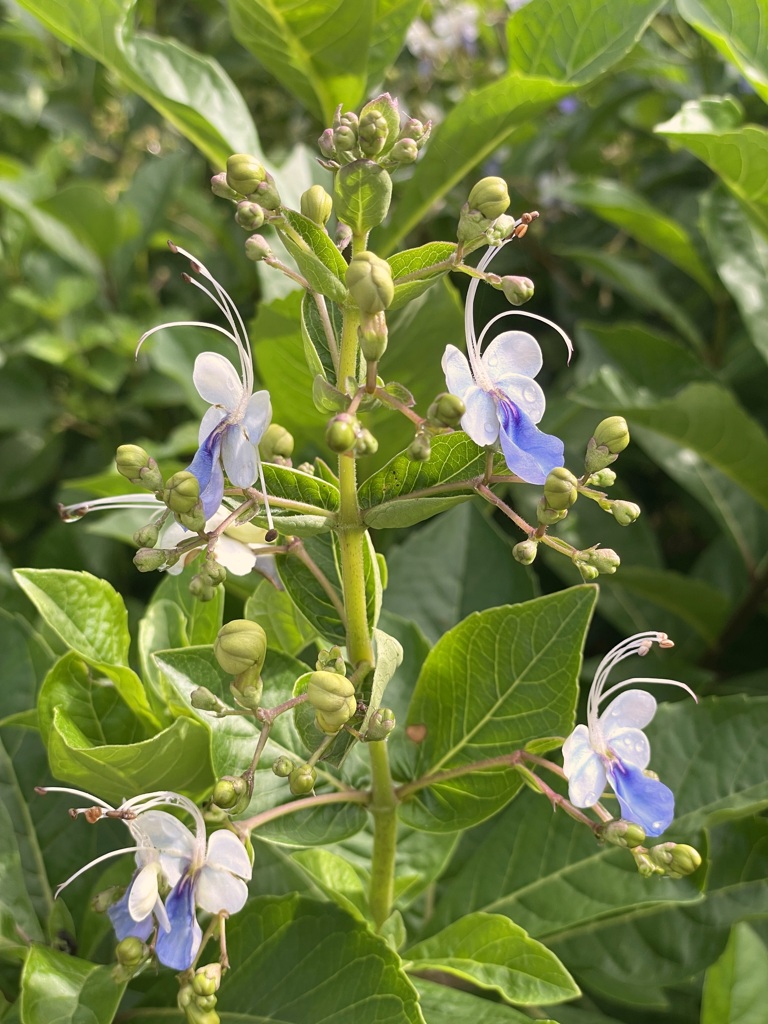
x,y
504,403
613,749
232,427
210,875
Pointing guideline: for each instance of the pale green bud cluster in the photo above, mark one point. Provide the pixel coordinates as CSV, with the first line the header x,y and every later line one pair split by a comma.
x,y
138,466
345,433
302,780
374,135
276,444
673,860
611,437
331,661
196,1003
381,725
619,832
232,793
595,561
333,698
247,176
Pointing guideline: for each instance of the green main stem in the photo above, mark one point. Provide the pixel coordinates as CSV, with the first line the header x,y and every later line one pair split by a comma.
x,y
383,808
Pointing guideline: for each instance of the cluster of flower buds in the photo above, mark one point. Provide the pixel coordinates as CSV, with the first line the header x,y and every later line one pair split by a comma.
x,y
331,661
672,860
346,434
380,726
444,413
596,561
240,649
247,179
375,135
484,221
332,696
301,777
197,998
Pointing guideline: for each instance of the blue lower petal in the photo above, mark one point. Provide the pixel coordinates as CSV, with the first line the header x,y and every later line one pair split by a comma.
x,y
206,466
528,452
124,924
177,948
645,801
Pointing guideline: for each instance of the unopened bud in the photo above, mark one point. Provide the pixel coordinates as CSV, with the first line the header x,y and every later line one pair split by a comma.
x,y
138,466
517,290
207,980
373,337
525,552
345,139
560,489
331,661
330,722
645,865
605,560
282,767
549,516
147,536
329,691
381,724
369,279
240,645
613,434
245,173
204,699
229,792
684,861
624,512
316,204
193,520
326,144
447,410
341,433
366,443
372,133
215,574
420,448
619,832
490,197
276,441
249,216
220,188
182,491
150,559
588,572
603,478
131,951
247,688
404,151
257,248
414,129
302,780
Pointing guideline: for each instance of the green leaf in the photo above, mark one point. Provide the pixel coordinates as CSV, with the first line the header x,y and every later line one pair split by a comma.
x,y
389,657
318,52
313,331
18,922
316,256
577,43
631,212
443,1002
736,28
497,681
418,261
437,592
489,951
67,990
736,986
336,878
175,80
307,593
362,193
740,254
737,155
391,22
286,628
311,503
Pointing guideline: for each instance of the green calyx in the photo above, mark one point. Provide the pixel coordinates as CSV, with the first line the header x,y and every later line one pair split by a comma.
x,y
611,436
490,197
342,432
240,645
245,173
138,466
446,410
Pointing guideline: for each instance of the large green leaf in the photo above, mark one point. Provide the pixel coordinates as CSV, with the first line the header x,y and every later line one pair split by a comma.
x,y
319,52
316,256
392,20
489,951
193,92
286,628
67,990
418,262
736,986
737,28
18,922
314,501
497,681
443,1002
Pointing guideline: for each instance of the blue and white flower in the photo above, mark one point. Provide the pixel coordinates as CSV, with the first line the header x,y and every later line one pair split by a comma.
x,y
612,748
210,875
504,402
232,427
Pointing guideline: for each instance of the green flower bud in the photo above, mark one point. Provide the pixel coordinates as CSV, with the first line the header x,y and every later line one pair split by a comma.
x,y
257,248
207,980
204,699
372,133
182,491
624,512
266,194
331,661
245,173
366,443
229,792
326,144
605,560
147,536
588,572
214,573
373,337
613,434
345,139
415,129
684,860
329,691
341,433
197,1014
193,520
381,724
276,442
247,688
560,489
472,225
220,188
622,833
362,178
138,466
131,951
525,552
370,283
420,448
150,559
447,410
317,204
404,151
283,767
500,229
490,197
302,780
249,216
240,645
603,478
201,590
331,722
517,290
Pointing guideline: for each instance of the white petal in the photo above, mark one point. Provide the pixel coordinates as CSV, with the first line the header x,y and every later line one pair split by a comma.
x,y
525,393
236,558
217,381
480,420
217,890
512,352
458,376
172,840
172,535
143,894
238,456
227,852
211,419
258,413
586,786
631,746
633,708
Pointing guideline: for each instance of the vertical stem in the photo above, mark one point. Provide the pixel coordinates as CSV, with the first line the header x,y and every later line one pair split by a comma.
x,y
383,807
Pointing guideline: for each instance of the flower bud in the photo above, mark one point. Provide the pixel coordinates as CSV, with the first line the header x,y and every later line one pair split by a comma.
x,y
257,248
201,590
245,173
316,204
147,536
624,512
266,194
220,188
622,833
207,980
605,560
150,559
517,290
249,216
373,337
357,180
372,133
603,478
331,661
282,767
404,151
131,951
420,448
645,865
204,699
229,792
560,489
500,229
247,688
138,466
182,491
276,442
381,724
489,197
613,434
214,573
240,645
330,722
366,443
684,860
341,433
193,520
326,144
345,139
302,780
447,410
329,691
549,516
588,572
370,283
472,225
415,129
525,552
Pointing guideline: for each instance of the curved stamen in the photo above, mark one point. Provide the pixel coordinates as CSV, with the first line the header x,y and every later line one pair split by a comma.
x,y
44,790
70,513
534,316
243,354
648,679
637,644
167,798
181,323
92,864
